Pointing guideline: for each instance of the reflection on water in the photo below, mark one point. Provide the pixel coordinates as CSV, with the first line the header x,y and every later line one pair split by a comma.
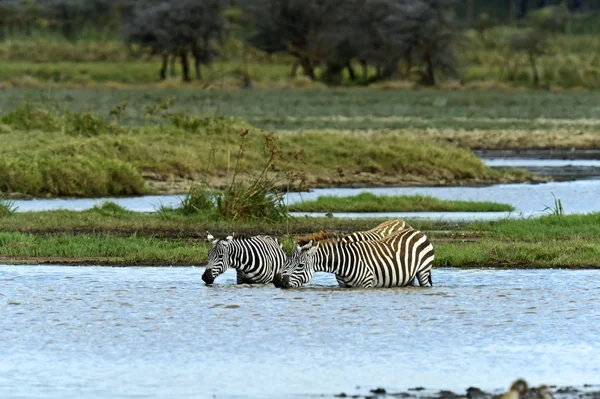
x,y
529,199
160,332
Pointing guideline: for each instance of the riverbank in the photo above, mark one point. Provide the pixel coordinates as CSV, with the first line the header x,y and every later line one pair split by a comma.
x,y
63,153
587,391
96,238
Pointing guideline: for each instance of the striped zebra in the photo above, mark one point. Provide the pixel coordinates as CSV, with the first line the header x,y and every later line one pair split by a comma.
x,y
393,261
256,259
376,233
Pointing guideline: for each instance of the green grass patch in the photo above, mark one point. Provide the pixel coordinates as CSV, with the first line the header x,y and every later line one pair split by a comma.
x,y
347,109
109,235
83,154
367,202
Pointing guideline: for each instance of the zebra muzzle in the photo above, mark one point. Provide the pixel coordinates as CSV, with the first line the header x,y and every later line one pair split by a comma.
x,y
281,281
207,277
277,280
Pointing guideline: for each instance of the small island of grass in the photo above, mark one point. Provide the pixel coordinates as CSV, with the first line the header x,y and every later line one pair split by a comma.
x,y
368,202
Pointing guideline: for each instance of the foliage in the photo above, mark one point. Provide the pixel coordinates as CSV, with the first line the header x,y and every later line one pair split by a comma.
x,y
197,200
28,116
255,197
379,33
557,209
176,28
7,207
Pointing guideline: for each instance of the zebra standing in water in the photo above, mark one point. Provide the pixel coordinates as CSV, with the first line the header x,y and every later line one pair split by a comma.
x,y
256,259
393,261
376,233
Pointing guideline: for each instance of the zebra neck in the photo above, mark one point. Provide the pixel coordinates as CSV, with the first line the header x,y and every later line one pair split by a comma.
x,y
241,257
326,260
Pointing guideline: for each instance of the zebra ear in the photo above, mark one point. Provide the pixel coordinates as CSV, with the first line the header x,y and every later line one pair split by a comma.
x,y
313,250
209,237
307,245
229,238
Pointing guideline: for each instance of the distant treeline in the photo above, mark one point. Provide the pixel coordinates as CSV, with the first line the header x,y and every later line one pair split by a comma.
x,y
391,37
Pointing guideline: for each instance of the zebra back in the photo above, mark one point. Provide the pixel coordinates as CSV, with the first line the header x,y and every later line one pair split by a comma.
x,y
382,230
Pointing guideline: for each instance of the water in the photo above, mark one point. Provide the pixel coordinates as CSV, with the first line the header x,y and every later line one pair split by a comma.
x,y
559,169
529,199
98,332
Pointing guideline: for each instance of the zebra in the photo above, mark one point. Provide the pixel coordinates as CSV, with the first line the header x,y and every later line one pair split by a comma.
x,y
393,261
256,259
376,233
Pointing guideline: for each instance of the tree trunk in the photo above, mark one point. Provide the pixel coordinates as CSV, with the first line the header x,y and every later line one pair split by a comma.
x,y
308,69
351,71
294,70
429,78
185,68
163,68
536,78
173,59
365,70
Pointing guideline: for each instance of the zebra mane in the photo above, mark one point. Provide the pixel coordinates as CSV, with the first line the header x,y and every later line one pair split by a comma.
x,y
315,237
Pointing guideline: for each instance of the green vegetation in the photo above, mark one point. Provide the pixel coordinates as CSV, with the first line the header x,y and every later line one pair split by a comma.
x,y
367,202
485,62
65,153
107,235
7,207
340,109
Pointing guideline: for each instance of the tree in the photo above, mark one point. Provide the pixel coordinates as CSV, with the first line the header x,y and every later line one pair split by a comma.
x,y
176,29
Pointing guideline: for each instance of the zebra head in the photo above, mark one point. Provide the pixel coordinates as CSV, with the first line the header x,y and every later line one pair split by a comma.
x,y
218,259
299,267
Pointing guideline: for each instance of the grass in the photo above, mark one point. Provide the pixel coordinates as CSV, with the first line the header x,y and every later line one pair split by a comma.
x,y
340,109
367,202
7,207
63,153
104,235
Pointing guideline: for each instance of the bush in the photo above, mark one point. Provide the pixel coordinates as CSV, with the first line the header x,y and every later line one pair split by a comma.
x,y
28,116
7,207
197,200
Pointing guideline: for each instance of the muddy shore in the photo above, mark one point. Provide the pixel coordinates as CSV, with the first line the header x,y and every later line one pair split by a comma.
x,y
587,391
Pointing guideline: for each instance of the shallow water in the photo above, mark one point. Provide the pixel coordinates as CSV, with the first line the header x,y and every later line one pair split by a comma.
x,y
559,169
579,196
99,332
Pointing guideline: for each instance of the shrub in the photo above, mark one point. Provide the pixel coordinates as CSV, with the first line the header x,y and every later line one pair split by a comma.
x,y
197,200
7,207
87,124
28,116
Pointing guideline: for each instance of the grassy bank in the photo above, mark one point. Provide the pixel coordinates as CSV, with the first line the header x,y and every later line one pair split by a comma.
x,y
367,202
63,153
92,237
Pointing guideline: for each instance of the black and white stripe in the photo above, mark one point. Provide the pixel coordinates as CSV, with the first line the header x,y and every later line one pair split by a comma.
x,y
393,261
256,258
382,230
